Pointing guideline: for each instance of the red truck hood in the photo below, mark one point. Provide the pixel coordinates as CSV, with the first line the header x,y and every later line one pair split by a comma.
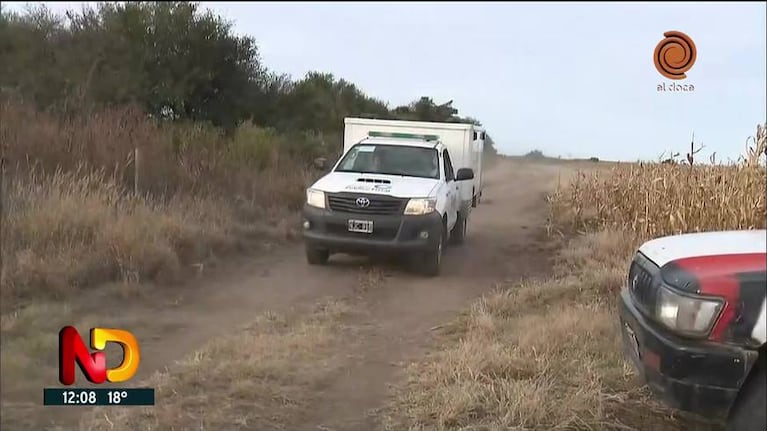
x,y
704,262
731,265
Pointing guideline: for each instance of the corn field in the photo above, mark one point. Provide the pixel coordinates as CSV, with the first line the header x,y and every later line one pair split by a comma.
x,y
656,199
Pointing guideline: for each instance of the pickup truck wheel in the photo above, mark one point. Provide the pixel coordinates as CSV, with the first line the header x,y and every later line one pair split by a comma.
x,y
432,260
316,256
459,230
748,413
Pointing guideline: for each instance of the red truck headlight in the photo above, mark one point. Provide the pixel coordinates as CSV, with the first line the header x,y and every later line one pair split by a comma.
x,y
686,314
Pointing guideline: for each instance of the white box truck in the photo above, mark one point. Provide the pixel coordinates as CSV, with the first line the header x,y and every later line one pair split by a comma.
x,y
400,187
465,142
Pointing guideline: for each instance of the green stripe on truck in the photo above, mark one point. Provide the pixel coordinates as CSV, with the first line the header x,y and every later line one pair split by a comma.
x,y
402,136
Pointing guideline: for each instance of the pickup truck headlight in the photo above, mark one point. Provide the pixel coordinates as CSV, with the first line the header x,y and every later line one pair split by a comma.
x,y
420,206
691,315
315,198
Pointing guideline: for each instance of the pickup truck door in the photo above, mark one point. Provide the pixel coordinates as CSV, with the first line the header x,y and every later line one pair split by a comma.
x,y
453,192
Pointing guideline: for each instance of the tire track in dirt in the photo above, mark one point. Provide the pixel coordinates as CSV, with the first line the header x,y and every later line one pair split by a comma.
x,y
505,241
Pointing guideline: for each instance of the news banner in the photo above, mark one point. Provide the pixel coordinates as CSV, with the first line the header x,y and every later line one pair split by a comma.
x,y
73,351
98,397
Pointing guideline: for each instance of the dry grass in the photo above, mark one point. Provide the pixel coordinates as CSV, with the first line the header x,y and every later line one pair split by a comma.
x,y
260,377
29,349
173,158
547,354
70,230
72,218
540,355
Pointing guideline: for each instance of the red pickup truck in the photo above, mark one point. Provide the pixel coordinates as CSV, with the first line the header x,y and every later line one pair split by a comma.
x,y
693,315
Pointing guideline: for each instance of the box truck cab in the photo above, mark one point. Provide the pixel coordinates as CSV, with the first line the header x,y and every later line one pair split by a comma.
x,y
391,192
464,141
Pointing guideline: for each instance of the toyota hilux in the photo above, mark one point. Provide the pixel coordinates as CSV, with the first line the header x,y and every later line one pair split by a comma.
x,y
388,195
692,317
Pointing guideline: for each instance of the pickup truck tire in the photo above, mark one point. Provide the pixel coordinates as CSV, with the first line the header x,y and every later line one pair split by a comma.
x,y
458,234
748,413
317,256
432,260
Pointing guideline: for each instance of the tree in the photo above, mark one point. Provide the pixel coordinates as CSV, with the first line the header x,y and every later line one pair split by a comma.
x,y
169,57
29,54
424,109
535,154
489,147
178,63
320,102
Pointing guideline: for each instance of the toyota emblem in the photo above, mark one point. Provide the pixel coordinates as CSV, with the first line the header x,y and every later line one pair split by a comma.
x,y
363,202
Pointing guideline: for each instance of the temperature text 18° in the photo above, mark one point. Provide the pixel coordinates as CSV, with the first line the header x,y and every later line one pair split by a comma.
x,y
98,397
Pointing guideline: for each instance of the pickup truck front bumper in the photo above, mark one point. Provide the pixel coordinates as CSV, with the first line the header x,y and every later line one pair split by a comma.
x,y
392,234
693,375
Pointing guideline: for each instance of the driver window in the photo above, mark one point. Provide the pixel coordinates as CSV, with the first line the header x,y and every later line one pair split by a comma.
x,y
448,167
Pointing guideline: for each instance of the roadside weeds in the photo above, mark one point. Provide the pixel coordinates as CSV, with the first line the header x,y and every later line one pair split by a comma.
x,y
546,354
541,354
260,376
114,196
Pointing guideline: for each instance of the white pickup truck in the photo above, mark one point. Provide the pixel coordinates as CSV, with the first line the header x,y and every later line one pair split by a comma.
x,y
390,193
464,141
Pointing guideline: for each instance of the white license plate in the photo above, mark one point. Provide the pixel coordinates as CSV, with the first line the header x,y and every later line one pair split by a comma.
x,y
362,226
632,339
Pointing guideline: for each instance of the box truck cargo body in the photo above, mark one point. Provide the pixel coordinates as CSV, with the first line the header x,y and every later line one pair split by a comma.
x,y
465,143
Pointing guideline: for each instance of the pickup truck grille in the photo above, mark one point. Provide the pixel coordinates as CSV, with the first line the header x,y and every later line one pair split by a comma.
x,y
640,284
374,204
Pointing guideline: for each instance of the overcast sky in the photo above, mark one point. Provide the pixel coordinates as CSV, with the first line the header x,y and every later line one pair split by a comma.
x,y
569,79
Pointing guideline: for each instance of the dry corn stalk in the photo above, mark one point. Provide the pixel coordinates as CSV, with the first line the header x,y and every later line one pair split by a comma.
x,y
655,199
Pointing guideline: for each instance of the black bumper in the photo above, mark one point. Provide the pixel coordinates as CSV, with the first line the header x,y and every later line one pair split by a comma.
x,y
692,375
392,234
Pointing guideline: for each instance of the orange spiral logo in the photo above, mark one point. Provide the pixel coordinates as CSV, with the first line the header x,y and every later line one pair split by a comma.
x,y
675,55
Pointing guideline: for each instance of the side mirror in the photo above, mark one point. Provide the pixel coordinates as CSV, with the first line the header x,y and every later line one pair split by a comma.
x,y
464,174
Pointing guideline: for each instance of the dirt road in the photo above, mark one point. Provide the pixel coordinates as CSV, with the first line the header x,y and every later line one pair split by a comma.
x,y
394,312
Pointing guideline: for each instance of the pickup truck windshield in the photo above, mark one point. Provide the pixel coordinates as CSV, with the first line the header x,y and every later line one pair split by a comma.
x,y
391,160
